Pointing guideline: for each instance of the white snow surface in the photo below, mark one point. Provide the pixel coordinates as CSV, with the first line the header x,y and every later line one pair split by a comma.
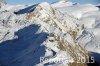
x,y
20,24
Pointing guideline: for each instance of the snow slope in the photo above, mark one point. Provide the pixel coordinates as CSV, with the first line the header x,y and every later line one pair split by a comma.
x,y
77,10
50,31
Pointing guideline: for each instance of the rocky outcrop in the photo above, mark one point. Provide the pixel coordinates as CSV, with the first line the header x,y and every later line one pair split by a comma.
x,y
39,31
2,3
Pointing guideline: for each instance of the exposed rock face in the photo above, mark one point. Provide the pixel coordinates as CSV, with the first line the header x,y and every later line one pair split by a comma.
x,y
40,30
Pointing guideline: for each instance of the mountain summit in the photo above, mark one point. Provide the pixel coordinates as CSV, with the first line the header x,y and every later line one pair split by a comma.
x,y
49,34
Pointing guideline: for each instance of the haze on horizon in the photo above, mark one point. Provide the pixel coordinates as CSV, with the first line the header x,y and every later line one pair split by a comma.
x,y
25,2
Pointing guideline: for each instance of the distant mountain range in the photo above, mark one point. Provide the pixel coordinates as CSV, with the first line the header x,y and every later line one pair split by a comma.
x,y
54,32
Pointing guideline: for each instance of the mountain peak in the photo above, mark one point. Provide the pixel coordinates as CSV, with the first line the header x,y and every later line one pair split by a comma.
x,y
62,3
44,4
2,3
30,32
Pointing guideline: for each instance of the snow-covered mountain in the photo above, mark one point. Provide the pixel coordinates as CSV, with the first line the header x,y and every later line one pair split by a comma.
x,y
54,32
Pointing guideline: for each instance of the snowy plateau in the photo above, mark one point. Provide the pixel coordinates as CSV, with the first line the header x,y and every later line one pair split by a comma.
x,y
58,34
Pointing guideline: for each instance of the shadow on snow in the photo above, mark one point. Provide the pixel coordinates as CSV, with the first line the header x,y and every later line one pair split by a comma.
x,y
26,10
95,59
24,51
